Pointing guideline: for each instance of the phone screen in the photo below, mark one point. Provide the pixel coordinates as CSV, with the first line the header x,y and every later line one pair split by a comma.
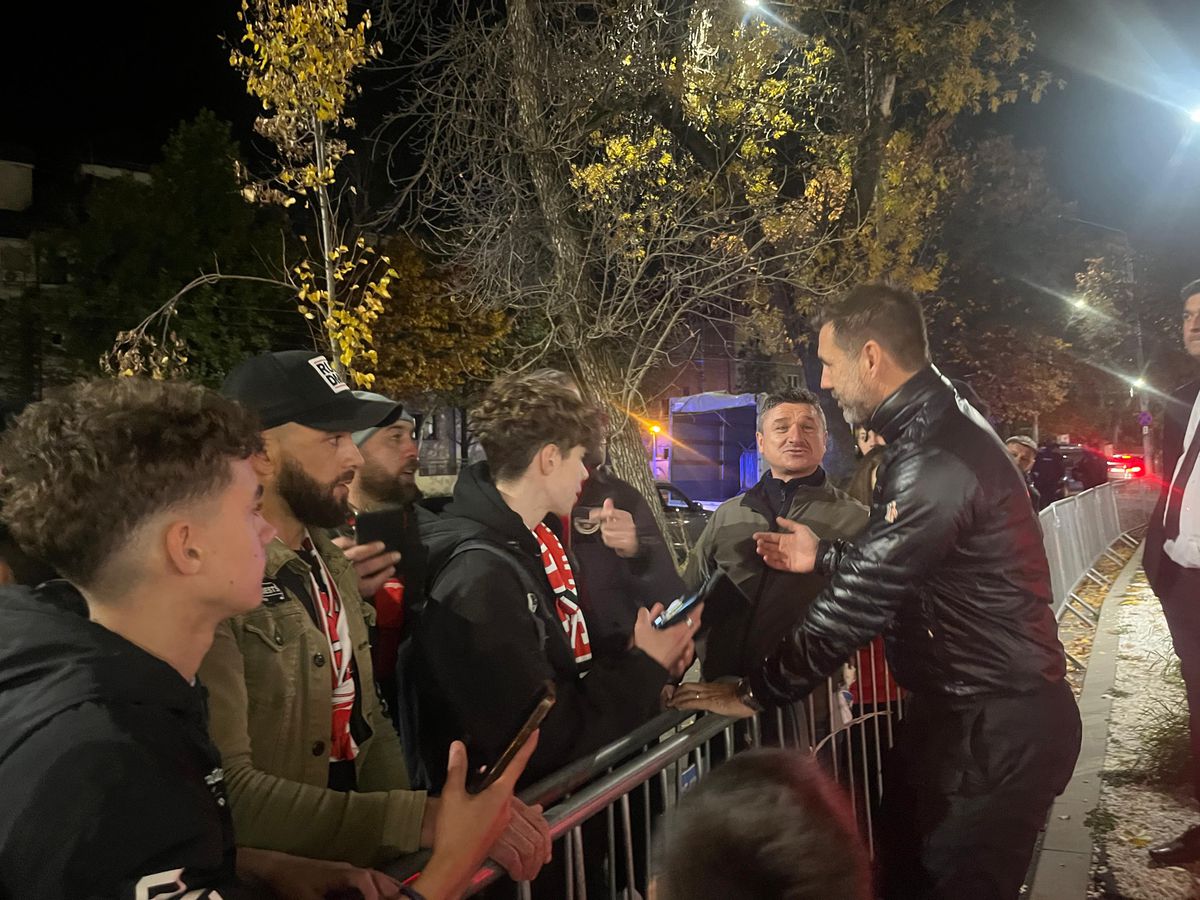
x,y
482,779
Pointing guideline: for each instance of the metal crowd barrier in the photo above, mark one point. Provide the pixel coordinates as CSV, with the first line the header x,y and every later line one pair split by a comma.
x,y
607,811
1079,531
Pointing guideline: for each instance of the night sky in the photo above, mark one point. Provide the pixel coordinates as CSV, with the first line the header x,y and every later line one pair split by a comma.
x,y
110,88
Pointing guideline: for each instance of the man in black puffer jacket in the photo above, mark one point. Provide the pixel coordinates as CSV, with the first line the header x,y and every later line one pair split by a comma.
x,y
951,570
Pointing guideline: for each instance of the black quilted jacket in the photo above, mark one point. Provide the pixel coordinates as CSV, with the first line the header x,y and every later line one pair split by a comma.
x,y
950,567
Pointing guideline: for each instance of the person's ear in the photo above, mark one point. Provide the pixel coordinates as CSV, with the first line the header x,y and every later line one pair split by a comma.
x,y
872,356
264,463
184,554
549,458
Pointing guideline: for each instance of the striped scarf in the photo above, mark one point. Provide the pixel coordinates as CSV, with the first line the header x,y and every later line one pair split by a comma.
x,y
342,746
566,599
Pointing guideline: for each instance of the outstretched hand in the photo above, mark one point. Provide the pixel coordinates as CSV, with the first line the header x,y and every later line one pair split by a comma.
x,y
791,549
720,698
469,827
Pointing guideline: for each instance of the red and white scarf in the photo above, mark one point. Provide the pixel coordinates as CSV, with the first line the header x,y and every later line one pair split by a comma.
x,y
342,746
566,598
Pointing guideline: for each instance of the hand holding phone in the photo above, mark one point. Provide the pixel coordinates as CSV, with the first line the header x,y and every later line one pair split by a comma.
x,y
543,702
381,525
718,594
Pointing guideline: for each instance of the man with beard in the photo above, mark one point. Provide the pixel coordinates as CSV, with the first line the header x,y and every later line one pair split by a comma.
x,y
951,570
387,479
310,759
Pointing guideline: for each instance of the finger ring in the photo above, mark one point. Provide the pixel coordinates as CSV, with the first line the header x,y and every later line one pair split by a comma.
x,y
689,621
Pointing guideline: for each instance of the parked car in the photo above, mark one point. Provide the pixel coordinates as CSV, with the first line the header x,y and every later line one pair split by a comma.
x,y
1125,467
685,518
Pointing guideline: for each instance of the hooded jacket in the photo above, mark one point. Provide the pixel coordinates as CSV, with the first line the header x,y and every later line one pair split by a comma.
x,y
950,567
486,642
111,786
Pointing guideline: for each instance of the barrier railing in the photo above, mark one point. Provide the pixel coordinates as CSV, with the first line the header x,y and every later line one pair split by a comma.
x,y
1079,531
604,810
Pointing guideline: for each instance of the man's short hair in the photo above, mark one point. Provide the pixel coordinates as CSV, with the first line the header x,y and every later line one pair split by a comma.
x,y
519,415
1189,290
82,471
766,824
1024,440
885,313
790,395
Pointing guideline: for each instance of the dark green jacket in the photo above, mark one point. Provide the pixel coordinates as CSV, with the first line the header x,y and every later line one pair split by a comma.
x,y
738,643
269,691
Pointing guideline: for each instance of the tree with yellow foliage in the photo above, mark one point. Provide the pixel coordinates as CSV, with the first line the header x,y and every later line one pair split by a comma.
x,y
618,174
429,342
298,57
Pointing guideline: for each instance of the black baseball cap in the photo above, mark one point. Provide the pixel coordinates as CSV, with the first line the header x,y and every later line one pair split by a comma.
x,y
301,386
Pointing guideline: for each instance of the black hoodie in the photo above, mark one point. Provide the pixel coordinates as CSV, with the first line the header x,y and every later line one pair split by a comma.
x,y
110,785
484,645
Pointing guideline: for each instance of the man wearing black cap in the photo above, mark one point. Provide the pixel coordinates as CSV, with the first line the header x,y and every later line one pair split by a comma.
x,y
311,760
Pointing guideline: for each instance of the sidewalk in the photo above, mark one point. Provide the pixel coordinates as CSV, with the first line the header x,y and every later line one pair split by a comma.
x,y
1114,807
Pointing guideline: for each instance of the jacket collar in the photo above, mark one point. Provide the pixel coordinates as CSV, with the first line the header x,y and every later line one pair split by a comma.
x,y
758,497
896,413
280,554
476,498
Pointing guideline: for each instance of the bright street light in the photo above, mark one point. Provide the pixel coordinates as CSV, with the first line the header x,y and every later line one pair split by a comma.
x,y
1194,115
1079,303
753,4
655,429
1139,383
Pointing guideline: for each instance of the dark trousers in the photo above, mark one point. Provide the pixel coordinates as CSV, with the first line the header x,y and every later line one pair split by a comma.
x,y
967,787
1178,591
1182,611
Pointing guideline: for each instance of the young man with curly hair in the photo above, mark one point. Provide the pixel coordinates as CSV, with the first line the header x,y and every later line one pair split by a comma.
x,y
144,496
502,615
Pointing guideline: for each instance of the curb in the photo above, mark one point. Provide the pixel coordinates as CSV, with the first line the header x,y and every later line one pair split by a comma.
x,y
1063,868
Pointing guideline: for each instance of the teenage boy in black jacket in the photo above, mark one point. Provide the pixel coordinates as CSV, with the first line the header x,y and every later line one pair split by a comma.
x,y
502,619
144,495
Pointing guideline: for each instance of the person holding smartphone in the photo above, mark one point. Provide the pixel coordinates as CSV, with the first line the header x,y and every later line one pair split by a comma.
x,y
502,612
145,496
313,764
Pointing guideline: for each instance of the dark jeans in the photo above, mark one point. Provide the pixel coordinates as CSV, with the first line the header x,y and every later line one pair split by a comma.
x,y
1182,611
967,787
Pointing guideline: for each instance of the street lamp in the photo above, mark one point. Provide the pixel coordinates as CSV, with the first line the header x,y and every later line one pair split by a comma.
x,y
1139,383
655,430
753,4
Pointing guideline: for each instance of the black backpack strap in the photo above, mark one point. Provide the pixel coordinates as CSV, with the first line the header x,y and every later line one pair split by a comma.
x,y
533,590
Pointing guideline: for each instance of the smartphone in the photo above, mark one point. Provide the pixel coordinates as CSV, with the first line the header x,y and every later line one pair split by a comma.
x,y
678,610
482,779
718,594
385,525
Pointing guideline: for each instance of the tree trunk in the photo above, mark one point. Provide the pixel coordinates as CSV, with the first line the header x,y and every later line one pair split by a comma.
x,y
325,210
598,376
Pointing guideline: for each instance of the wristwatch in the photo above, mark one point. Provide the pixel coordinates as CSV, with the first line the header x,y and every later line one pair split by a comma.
x,y
745,695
